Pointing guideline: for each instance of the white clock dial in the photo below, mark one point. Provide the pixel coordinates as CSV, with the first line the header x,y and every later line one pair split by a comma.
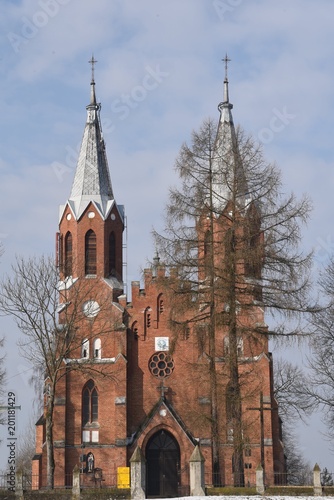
x,y
91,308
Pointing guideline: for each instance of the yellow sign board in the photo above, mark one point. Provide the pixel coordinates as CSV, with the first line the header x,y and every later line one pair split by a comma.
x,y
123,477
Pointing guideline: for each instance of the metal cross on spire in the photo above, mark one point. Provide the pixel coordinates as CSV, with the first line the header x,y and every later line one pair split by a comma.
x,y
226,60
92,62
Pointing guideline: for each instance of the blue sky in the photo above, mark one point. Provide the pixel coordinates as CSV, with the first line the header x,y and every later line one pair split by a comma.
x,y
159,74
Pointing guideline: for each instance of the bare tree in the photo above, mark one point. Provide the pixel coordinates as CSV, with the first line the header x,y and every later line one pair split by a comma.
x,y
49,312
2,378
234,239
292,393
321,360
291,389
26,450
2,360
298,469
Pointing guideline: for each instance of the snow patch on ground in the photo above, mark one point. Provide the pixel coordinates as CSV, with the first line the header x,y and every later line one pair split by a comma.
x,y
252,497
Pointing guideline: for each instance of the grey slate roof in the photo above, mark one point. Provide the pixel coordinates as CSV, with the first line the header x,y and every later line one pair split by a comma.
x,y
92,181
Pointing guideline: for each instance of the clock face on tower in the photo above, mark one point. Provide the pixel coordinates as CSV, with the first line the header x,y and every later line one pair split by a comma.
x,y
91,308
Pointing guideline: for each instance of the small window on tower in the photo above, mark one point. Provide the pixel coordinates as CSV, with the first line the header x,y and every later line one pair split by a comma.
x,y
240,346
248,451
90,253
68,254
112,254
97,348
85,349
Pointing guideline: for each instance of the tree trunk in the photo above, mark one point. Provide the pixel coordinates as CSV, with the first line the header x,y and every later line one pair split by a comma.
x,y
215,436
234,383
216,475
50,467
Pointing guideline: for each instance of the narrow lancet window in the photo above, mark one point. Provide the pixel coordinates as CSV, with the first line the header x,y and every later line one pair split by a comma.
x,y
112,254
90,403
68,254
90,252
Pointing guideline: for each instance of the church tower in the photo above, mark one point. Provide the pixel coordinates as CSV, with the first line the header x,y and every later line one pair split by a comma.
x,y
230,261
91,223
89,422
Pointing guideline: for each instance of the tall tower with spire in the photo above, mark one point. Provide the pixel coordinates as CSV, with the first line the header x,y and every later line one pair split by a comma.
x,y
91,222
127,389
90,393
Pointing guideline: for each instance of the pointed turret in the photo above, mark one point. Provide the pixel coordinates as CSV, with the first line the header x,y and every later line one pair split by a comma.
x,y
91,223
92,181
228,176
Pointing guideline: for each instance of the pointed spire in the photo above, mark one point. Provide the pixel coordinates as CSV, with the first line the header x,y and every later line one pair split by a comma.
x,y
92,181
226,162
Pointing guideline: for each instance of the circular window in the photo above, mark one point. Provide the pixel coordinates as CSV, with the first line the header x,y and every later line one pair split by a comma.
x,y
161,365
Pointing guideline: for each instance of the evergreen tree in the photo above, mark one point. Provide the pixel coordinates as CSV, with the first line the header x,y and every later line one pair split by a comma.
x,y
326,477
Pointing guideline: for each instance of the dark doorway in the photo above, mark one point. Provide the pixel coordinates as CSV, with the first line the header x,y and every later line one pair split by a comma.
x,y
163,460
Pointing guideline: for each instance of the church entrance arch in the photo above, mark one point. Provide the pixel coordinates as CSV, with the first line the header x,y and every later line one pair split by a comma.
x,y
163,463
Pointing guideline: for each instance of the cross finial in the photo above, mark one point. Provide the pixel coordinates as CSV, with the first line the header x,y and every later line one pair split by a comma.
x,y
226,60
92,62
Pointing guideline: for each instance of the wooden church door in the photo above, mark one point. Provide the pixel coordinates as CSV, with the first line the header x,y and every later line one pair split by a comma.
x,y
162,460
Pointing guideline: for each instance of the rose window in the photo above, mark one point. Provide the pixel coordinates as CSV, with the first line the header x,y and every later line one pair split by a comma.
x,y
161,365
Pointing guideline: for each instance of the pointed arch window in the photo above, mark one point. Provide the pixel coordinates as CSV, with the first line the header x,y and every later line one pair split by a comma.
x,y
68,254
90,252
240,346
90,404
112,254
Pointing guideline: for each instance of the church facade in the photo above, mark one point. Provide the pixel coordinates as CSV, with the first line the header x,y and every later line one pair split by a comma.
x,y
126,383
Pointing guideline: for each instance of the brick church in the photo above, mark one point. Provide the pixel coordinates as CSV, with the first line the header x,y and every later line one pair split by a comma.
x,y
126,383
